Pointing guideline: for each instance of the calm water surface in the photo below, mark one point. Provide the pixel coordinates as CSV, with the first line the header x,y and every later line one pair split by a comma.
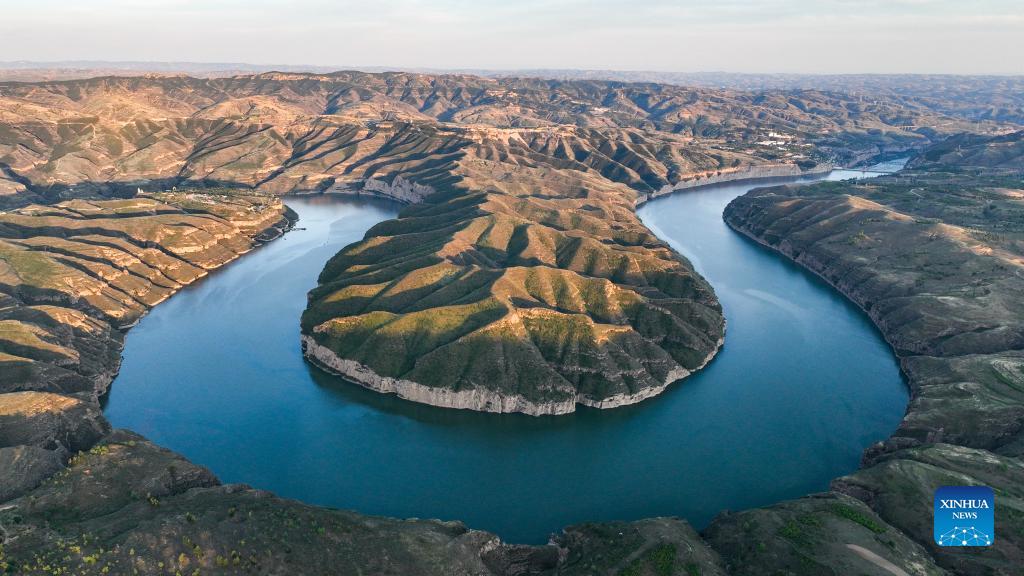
x,y
802,386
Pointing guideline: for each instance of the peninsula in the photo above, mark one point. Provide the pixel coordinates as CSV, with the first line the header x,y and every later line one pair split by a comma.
x,y
519,279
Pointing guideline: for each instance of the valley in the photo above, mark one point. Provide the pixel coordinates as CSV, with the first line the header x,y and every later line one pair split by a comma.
x,y
396,458
519,279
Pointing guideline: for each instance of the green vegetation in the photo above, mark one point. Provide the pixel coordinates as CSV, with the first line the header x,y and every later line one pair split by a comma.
x,y
658,561
522,251
571,303
663,559
73,272
854,515
794,532
933,253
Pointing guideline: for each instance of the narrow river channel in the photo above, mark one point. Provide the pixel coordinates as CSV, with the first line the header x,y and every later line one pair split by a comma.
x,y
802,386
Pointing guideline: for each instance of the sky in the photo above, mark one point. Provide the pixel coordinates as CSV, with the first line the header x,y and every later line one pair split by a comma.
x,y
803,36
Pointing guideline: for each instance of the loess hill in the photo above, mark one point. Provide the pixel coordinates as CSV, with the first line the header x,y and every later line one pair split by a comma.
x,y
519,278
935,255
282,132
75,274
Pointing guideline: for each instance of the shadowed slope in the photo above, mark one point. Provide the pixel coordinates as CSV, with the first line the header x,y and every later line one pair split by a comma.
x,y
513,304
934,254
284,132
73,274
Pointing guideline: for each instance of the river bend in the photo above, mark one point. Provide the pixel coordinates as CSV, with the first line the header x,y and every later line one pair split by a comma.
x,y
803,384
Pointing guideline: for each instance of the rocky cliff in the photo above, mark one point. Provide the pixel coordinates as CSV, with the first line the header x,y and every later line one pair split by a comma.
x,y
760,172
502,302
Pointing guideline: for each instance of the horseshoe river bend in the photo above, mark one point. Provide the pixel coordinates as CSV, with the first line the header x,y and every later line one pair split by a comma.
x,y
803,384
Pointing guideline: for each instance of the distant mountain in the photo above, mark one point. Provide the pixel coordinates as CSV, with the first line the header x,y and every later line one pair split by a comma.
x,y
282,131
977,98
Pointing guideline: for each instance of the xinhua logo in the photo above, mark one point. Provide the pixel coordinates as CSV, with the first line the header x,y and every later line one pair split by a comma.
x,y
964,516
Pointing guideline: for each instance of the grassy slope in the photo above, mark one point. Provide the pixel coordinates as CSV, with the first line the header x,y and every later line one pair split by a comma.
x,y
569,301
935,255
72,273
537,155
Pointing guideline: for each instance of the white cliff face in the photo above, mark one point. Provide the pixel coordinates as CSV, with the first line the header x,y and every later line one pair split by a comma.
x,y
748,173
477,399
624,399
398,189
484,400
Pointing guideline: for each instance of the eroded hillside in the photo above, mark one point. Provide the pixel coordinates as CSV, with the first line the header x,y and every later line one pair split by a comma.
x,y
73,275
935,255
522,251
501,302
280,132
525,253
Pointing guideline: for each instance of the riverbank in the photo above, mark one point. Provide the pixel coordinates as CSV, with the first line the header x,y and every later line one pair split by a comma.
x,y
214,503
760,174
540,179
443,393
883,247
447,463
125,482
80,273
476,400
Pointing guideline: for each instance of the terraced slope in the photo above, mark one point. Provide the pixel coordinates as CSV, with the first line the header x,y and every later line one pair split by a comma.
x,y
935,255
73,275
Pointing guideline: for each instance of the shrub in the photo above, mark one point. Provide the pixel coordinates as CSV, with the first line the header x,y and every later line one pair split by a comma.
x,y
852,514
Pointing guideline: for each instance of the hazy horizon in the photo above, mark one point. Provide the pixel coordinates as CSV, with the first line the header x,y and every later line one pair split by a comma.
x,y
169,67
733,36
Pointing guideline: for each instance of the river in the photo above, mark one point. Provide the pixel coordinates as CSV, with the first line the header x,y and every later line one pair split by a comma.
x,y
803,384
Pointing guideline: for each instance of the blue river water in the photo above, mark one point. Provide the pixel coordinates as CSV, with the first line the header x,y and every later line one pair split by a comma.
x,y
803,384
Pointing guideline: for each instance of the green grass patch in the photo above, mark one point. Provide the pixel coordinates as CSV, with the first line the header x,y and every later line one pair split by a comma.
x,y
660,561
852,514
663,558
795,533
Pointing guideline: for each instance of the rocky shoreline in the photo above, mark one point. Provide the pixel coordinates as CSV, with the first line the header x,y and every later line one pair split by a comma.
x,y
572,298
398,189
478,400
761,174
90,338
110,502
492,401
467,551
